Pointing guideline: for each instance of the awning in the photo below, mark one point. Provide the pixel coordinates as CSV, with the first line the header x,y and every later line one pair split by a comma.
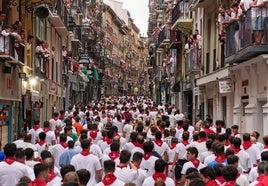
x,y
83,77
215,76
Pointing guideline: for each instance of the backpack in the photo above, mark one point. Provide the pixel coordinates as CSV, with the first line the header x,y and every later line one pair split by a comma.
x,y
178,168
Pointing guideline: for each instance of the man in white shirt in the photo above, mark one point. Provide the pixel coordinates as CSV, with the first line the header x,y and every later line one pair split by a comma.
x,y
159,167
110,178
251,149
35,132
50,135
85,160
159,146
126,171
192,154
55,121
11,171
148,160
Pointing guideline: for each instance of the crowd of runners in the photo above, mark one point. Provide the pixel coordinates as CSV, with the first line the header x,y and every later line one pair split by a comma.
x,y
132,141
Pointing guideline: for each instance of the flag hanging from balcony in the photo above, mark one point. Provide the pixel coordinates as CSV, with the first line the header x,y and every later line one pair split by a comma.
x,y
95,74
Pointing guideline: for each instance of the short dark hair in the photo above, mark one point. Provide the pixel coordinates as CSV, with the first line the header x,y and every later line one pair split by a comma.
x,y
160,165
208,172
192,150
70,144
65,169
29,152
148,146
42,135
10,149
83,176
39,168
85,143
229,173
45,154
63,138
109,166
264,156
124,156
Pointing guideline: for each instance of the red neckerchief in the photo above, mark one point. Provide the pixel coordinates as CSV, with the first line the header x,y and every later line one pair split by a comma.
x,y
230,183
136,144
195,162
137,166
108,141
113,155
200,140
63,144
220,179
85,152
108,179
212,183
147,155
162,129
179,127
42,142
38,182
103,116
220,158
46,129
173,145
36,127
117,135
259,178
209,131
52,175
121,166
158,142
10,160
62,117
265,147
227,143
55,118
159,175
93,134
185,142
247,144
236,150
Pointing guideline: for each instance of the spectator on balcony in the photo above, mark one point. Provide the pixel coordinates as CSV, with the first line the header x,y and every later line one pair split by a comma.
x,y
259,20
5,40
2,20
189,45
197,38
42,55
17,26
235,16
245,5
223,20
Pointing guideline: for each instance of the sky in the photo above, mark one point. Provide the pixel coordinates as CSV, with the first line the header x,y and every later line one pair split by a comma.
x,y
139,12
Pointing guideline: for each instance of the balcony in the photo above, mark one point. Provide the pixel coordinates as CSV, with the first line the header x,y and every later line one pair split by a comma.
x,y
181,18
175,38
193,60
163,37
244,49
194,4
12,51
42,65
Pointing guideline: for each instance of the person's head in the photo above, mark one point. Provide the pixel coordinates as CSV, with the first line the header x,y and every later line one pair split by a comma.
x,y
158,135
45,154
218,169
2,16
160,165
49,162
137,157
70,144
218,149
85,144
229,173
70,177
68,130
237,142
29,153
209,144
207,174
264,156
10,149
235,129
192,153
197,182
42,136
109,166
148,146
260,168
20,155
63,138
41,171
46,124
65,169
36,122
265,139
246,137
124,156
83,176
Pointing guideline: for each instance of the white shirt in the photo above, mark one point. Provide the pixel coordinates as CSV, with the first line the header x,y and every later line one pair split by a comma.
x,y
50,136
254,154
126,174
56,151
53,123
89,162
148,165
117,182
242,180
35,134
189,164
161,149
11,174
244,160
150,181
